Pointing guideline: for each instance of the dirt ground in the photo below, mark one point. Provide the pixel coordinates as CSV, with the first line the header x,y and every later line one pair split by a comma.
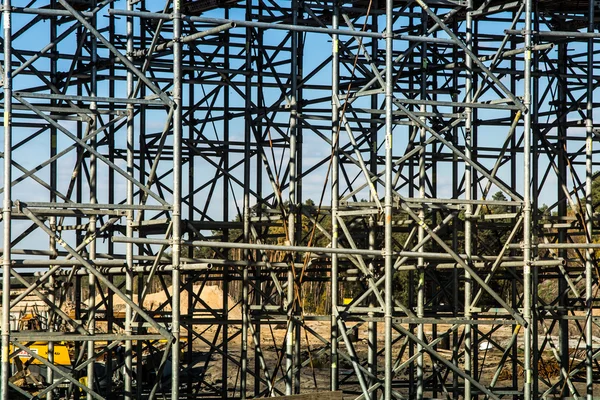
x,y
315,375
212,344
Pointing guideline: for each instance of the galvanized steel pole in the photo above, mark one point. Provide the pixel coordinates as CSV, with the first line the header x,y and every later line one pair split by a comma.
x,y
527,217
177,195
589,210
421,230
129,373
335,134
469,351
388,207
7,201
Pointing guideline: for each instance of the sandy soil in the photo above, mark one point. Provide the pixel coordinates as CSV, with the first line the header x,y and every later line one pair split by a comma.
x,y
203,297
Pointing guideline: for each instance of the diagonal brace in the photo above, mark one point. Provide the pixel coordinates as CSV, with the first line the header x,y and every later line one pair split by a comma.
x,y
466,266
91,150
96,273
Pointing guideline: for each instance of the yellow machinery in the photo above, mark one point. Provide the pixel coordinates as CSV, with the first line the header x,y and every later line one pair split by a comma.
x,y
24,377
31,322
27,379
61,353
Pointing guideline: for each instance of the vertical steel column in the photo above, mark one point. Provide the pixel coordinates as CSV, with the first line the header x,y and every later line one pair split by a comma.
x,y
335,192
191,178
79,346
468,366
563,208
245,272
53,198
374,129
7,202
456,272
289,351
589,262
259,68
144,160
527,221
129,276
246,216
372,325
224,330
474,144
52,299
297,54
388,258
93,199
246,205
534,108
176,215
258,281
112,133
413,86
421,229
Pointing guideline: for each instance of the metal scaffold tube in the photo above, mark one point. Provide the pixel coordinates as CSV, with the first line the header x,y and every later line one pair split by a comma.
x,y
7,199
177,196
247,254
292,234
589,210
470,351
527,213
387,246
335,132
129,374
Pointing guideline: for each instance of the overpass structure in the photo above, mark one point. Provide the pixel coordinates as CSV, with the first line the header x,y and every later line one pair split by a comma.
x,y
419,173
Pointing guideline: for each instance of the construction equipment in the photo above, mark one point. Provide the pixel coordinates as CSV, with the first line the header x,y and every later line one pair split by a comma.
x,y
29,372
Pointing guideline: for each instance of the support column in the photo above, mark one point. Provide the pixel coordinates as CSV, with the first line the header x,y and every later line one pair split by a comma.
x,y
562,161
374,129
293,200
129,275
589,255
7,202
468,367
421,229
527,221
335,126
536,89
176,215
53,198
246,211
387,250
245,282
91,233
297,54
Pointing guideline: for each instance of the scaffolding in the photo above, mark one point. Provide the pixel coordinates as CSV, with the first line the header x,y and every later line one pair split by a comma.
x,y
393,199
